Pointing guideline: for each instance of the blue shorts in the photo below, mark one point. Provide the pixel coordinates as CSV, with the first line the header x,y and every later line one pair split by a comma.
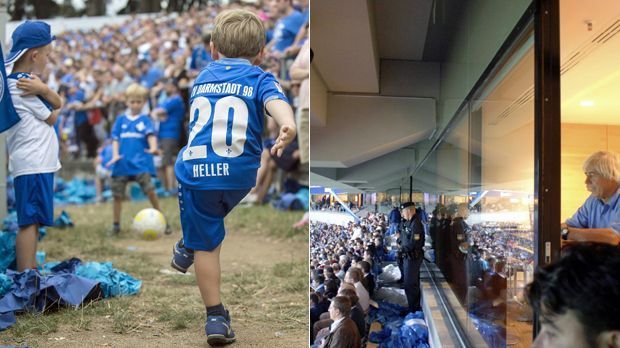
x,y
34,199
202,215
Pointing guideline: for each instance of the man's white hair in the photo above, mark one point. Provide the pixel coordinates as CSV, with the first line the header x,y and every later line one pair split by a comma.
x,y
604,163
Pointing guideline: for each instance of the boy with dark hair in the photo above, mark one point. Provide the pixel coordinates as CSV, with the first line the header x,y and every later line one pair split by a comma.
x,y
578,298
218,166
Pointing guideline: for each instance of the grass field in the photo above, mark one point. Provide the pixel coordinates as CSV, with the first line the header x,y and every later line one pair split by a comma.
x,y
264,284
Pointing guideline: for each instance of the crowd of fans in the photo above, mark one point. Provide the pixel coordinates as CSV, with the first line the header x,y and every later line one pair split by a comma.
x,y
479,260
344,262
92,69
324,204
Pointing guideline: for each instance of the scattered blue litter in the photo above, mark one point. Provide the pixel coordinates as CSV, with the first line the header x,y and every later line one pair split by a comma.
x,y
75,191
302,194
5,284
40,257
387,312
135,192
63,221
397,332
82,191
10,194
288,201
69,282
493,335
42,232
380,336
113,282
32,291
7,250
66,266
9,224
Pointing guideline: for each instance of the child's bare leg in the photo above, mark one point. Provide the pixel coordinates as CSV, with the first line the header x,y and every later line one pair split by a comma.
x,y
118,201
261,191
170,179
153,199
208,275
98,186
26,247
262,170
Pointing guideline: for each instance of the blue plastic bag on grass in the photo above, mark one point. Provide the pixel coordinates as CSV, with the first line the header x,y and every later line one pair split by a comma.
x,y
7,250
32,291
63,220
113,282
5,284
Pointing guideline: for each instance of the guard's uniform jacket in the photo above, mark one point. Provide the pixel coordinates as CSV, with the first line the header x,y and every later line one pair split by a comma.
x,y
412,237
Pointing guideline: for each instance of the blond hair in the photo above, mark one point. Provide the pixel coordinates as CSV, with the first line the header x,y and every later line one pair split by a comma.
x,y
238,33
604,163
136,91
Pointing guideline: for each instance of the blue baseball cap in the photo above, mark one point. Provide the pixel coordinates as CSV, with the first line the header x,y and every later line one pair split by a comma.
x,y
29,34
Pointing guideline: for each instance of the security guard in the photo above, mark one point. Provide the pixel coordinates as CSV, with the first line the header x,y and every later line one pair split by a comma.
x,y
411,243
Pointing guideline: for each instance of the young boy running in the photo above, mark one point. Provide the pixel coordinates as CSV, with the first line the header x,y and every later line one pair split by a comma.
x,y
218,166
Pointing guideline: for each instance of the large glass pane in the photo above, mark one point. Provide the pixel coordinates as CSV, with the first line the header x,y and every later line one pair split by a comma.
x,y
480,184
501,256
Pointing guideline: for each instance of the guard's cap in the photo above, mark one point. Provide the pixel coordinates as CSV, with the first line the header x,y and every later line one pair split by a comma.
x,y
407,205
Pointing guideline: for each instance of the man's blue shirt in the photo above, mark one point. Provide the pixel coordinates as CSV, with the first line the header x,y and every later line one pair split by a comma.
x,y
286,29
151,77
227,104
594,213
131,135
78,96
171,127
200,58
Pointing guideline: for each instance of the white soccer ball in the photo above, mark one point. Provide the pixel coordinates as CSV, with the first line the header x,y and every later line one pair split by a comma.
x,y
149,224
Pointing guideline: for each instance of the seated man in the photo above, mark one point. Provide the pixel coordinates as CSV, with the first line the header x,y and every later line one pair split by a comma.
x,y
343,331
354,276
578,298
598,219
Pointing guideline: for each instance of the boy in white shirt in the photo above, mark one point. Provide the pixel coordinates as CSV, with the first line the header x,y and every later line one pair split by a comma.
x,y
32,143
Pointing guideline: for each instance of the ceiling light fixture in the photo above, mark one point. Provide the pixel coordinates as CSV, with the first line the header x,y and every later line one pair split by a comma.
x,y
586,103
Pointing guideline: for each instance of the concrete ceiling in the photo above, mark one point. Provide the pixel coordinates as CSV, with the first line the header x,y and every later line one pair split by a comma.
x,y
373,96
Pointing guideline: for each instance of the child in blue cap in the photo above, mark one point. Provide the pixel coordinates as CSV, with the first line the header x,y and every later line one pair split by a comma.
x,y
32,143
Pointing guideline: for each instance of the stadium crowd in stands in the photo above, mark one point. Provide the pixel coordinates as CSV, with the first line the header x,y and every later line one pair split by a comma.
x,y
344,262
164,52
477,260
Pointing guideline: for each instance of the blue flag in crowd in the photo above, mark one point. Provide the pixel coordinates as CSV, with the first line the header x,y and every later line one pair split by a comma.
x,y
8,115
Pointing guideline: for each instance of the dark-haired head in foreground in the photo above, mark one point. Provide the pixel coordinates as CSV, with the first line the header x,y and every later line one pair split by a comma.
x,y
578,298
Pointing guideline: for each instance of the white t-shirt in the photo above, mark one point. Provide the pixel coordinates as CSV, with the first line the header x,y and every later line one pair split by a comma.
x,y
32,144
362,294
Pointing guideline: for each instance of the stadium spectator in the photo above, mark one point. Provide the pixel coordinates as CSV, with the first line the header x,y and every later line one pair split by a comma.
x,y
577,298
596,220
288,23
170,113
354,276
201,55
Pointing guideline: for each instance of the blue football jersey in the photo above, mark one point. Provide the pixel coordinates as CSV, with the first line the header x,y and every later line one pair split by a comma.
x,y
132,137
227,104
